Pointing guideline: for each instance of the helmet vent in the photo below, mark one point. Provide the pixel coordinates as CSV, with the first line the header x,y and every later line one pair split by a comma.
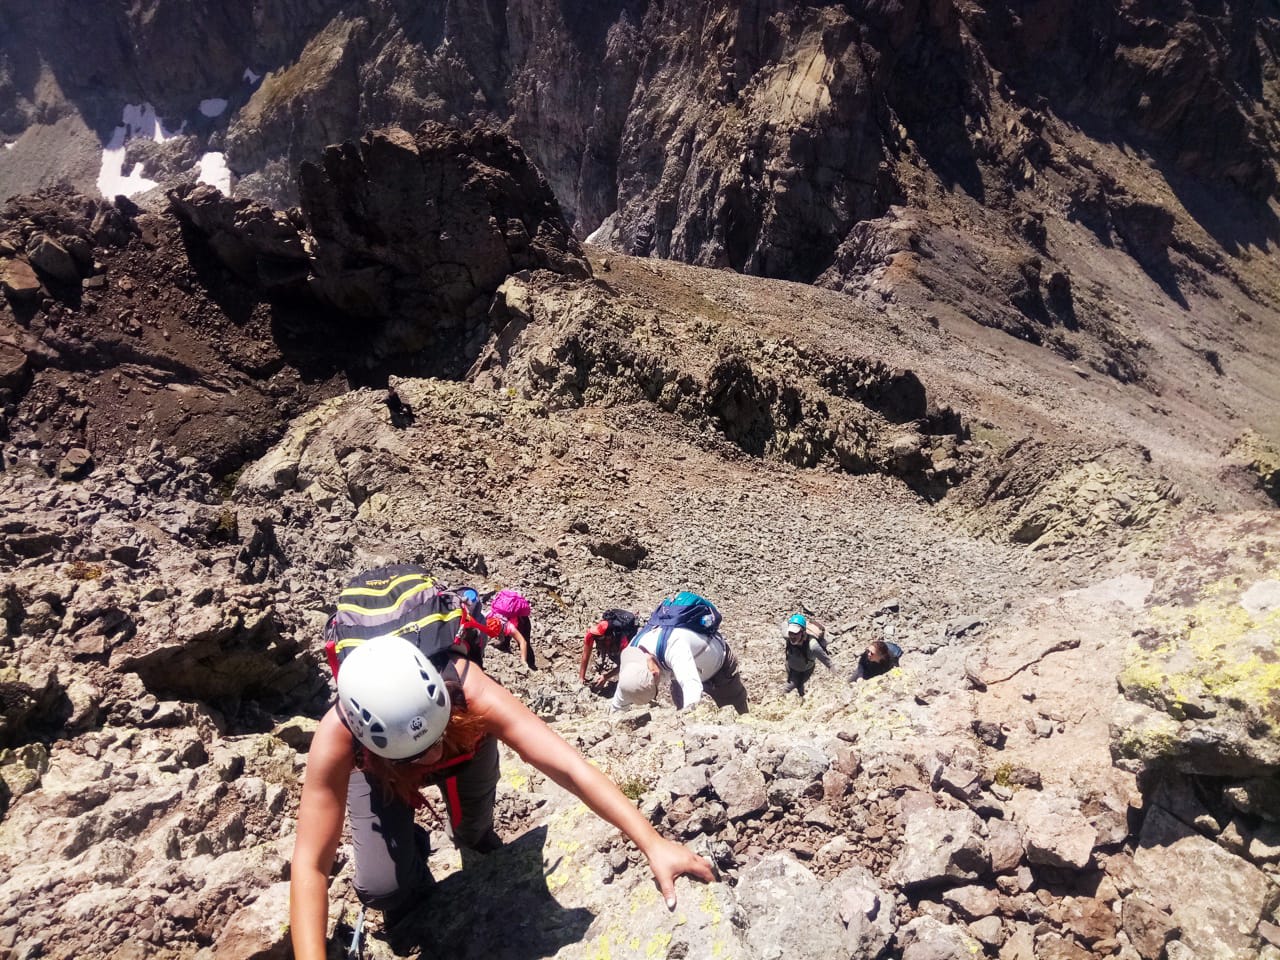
x,y
377,727
379,741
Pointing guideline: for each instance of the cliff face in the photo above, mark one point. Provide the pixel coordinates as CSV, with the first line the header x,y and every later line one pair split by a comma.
x,y
740,115
976,160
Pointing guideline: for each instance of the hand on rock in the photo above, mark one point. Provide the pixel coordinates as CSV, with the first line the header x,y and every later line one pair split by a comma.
x,y
669,860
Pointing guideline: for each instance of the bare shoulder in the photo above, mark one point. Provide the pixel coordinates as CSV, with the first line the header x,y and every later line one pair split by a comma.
x,y
505,716
485,696
331,746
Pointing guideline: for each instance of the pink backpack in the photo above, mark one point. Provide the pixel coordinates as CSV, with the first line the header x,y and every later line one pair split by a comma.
x,y
510,604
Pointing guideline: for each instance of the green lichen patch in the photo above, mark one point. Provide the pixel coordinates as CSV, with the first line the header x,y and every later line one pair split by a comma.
x,y
1216,652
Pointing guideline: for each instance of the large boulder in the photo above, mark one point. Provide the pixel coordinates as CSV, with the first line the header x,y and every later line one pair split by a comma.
x,y
230,647
403,238
783,901
18,280
261,245
925,938
256,932
866,910
742,788
52,259
940,846
1201,680
1055,832
414,233
1215,899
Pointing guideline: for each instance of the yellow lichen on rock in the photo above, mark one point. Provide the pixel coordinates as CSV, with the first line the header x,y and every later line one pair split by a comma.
x,y
1216,649
1206,668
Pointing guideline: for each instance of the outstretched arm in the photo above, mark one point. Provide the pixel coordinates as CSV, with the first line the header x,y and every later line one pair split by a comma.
x,y
523,643
522,730
588,643
324,800
819,654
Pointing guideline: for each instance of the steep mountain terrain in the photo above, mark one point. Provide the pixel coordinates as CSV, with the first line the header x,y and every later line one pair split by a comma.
x,y
1100,180
972,348
1076,721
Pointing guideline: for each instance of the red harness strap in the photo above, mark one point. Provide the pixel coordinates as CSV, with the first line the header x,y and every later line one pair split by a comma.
x,y
451,762
452,801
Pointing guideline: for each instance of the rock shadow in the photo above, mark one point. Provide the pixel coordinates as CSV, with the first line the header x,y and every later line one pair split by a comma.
x,y
1235,217
934,114
1235,220
314,339
498,908
234,296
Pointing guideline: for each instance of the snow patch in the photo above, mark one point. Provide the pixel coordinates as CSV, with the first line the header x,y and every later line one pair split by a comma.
x,y
113,181
213,107
213,170
604,234
138,120
10,146
250,76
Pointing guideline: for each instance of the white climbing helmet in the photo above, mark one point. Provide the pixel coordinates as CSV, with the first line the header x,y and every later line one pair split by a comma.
x,y
392,698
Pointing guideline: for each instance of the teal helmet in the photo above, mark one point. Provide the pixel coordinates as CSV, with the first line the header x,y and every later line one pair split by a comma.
x,y
798,620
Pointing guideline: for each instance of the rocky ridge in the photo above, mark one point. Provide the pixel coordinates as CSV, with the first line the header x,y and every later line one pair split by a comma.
x,y
817,143
618,431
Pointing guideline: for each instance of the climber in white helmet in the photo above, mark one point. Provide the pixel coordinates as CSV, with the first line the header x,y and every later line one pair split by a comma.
x,y
400,724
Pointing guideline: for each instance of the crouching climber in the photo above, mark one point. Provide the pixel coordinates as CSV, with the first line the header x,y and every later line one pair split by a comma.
x,y
509,619
681,638
804,637
607,636
879,657
413,710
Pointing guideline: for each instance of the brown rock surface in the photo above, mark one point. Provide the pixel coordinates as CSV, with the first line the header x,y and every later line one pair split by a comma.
x,y
894,449
1215,899
19,280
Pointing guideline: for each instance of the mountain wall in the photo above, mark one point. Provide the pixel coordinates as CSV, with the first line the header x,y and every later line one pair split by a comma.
x,y
975,159
752,135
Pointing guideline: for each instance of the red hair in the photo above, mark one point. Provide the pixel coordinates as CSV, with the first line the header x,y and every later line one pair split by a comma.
x,y
405,781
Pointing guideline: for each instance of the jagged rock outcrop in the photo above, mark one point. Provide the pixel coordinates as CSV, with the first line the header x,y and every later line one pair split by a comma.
x,y
407,227
1051,499
152,340
406,236
208,329
770,398
1199,723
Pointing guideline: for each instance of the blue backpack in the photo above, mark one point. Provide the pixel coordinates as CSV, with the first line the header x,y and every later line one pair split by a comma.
x,y
686,611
